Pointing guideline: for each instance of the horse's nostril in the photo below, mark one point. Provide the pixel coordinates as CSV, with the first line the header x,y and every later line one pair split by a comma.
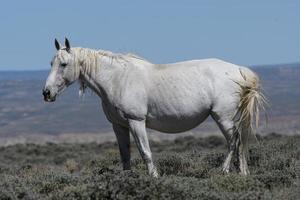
x,y
46,93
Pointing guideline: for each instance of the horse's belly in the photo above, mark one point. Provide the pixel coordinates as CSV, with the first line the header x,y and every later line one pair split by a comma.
x,y
176,123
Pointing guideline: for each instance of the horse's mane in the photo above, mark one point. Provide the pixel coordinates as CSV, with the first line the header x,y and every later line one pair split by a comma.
x,y
89,53
92,61
93,58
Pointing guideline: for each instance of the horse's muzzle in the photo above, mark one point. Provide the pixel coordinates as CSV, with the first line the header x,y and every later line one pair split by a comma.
x,y
47,95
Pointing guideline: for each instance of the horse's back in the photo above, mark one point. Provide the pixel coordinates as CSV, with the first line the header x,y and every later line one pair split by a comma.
x,y
199,63
194,75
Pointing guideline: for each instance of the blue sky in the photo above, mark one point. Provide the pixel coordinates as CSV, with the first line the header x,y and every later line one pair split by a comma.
x,y
243,32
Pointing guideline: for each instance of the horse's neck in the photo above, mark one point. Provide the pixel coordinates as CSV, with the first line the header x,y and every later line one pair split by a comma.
x,y
97,71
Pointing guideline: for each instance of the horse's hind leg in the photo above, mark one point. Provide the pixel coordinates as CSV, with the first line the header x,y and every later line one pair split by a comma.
x,y
226,125
243,161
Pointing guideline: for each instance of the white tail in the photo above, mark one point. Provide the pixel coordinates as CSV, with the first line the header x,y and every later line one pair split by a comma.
x,y
252,99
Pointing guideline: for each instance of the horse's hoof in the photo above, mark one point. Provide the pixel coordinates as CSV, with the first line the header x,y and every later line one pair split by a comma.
x,y
225,170
245,173
154,174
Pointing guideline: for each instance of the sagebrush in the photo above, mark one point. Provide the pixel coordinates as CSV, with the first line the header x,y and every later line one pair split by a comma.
x,y
190,168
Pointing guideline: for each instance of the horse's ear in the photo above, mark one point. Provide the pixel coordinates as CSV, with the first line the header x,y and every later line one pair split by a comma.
x,y
57,45
67,44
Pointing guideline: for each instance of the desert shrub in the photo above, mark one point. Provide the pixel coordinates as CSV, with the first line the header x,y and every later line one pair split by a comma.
x,y
291,192
249,195
120,185
12,187
181,165
276,178
274,157
213,142
138,165
109,157
54,182
27,183
78,191
71,165
189,143
173,164
214,159
189,169
131,185
237,183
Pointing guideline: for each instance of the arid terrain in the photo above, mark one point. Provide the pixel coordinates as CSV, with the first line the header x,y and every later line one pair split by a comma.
x,y
189,168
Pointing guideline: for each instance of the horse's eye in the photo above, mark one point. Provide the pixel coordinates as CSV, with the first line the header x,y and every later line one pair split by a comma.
x,y
63,64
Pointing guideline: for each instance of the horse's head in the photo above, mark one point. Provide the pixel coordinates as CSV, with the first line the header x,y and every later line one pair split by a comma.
x,y
63,71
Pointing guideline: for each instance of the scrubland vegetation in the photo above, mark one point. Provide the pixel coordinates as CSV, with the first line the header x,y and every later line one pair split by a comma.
x,y
189,169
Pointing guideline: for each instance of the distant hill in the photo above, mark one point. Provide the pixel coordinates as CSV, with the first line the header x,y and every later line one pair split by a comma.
x,y
281,84
23,111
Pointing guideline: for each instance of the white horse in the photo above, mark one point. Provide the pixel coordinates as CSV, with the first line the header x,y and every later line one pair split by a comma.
x,y
170,98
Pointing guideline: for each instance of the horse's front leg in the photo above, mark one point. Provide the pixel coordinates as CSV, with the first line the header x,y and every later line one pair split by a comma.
x,y
138,130
123,137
